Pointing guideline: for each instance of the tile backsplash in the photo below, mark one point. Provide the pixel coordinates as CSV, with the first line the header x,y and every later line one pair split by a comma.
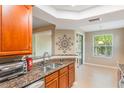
x,y
64,42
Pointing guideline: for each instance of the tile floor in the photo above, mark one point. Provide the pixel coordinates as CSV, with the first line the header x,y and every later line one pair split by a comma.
x,y
89,76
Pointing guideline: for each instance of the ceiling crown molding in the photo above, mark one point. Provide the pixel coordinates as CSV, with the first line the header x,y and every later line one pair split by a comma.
x,y
109,15
95,11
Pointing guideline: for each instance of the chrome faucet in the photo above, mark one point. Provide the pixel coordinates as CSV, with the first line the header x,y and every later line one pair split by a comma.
x,y
46,57
62,59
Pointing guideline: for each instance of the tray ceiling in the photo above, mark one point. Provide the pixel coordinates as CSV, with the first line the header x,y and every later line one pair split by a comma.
x,y
73,8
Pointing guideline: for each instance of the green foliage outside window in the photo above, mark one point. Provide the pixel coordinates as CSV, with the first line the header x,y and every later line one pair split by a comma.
x,y
103,45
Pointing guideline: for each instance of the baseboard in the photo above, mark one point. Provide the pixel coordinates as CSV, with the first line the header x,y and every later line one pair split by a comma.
x,y
101,65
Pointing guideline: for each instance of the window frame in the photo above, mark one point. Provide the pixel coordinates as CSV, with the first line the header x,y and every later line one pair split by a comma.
x,y
105,45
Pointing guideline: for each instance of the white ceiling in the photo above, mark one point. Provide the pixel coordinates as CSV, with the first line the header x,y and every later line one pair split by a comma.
x,y
104,26
70,18
39,22
73,8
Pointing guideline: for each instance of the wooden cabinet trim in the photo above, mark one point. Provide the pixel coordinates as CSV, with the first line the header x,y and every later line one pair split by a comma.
x,y
63,70
65,75
51,77
26,52
0,27
71,66
71,74
30,28
54,80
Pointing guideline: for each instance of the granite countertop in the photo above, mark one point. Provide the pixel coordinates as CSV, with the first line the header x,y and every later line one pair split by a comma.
x,y
57,56
35,74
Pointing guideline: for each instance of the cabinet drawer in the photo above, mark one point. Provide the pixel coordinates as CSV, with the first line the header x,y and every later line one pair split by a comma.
x,y
63,70
71,66
52,84
51,77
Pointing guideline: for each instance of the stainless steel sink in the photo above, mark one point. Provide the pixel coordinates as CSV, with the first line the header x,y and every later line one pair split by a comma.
x,y
47,69
52,66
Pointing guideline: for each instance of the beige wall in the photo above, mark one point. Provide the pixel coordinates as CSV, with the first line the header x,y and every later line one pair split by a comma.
x,y
59,34
42,42
118,48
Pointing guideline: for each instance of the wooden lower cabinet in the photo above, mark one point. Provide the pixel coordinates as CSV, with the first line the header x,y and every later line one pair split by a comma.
x,y
71,75
52,84
51,81
63,78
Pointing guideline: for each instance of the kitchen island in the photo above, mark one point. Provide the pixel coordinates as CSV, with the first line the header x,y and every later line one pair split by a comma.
x,y
35,74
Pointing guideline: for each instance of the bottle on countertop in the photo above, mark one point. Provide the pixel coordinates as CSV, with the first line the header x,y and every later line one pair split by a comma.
x,y
29,61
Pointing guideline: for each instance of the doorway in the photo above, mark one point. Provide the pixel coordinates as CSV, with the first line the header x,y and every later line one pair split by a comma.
x,y
80,48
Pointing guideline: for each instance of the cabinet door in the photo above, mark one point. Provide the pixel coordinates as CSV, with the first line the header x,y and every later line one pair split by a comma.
x,y
71,76
63,80
0,25
16,30
52,84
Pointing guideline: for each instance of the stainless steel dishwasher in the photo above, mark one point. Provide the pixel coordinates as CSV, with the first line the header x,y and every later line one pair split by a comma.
x,y
36,84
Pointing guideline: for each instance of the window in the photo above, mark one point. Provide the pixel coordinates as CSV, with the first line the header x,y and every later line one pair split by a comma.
x,y
103,45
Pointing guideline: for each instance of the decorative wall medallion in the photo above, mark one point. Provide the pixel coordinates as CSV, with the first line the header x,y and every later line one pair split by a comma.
x,y
64,43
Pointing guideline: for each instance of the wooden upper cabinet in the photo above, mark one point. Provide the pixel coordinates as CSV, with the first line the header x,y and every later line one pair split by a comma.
x,y
16,32
0,25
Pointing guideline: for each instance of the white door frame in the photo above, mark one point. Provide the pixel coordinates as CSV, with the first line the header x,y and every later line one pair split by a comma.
x,y
83,34
83,48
